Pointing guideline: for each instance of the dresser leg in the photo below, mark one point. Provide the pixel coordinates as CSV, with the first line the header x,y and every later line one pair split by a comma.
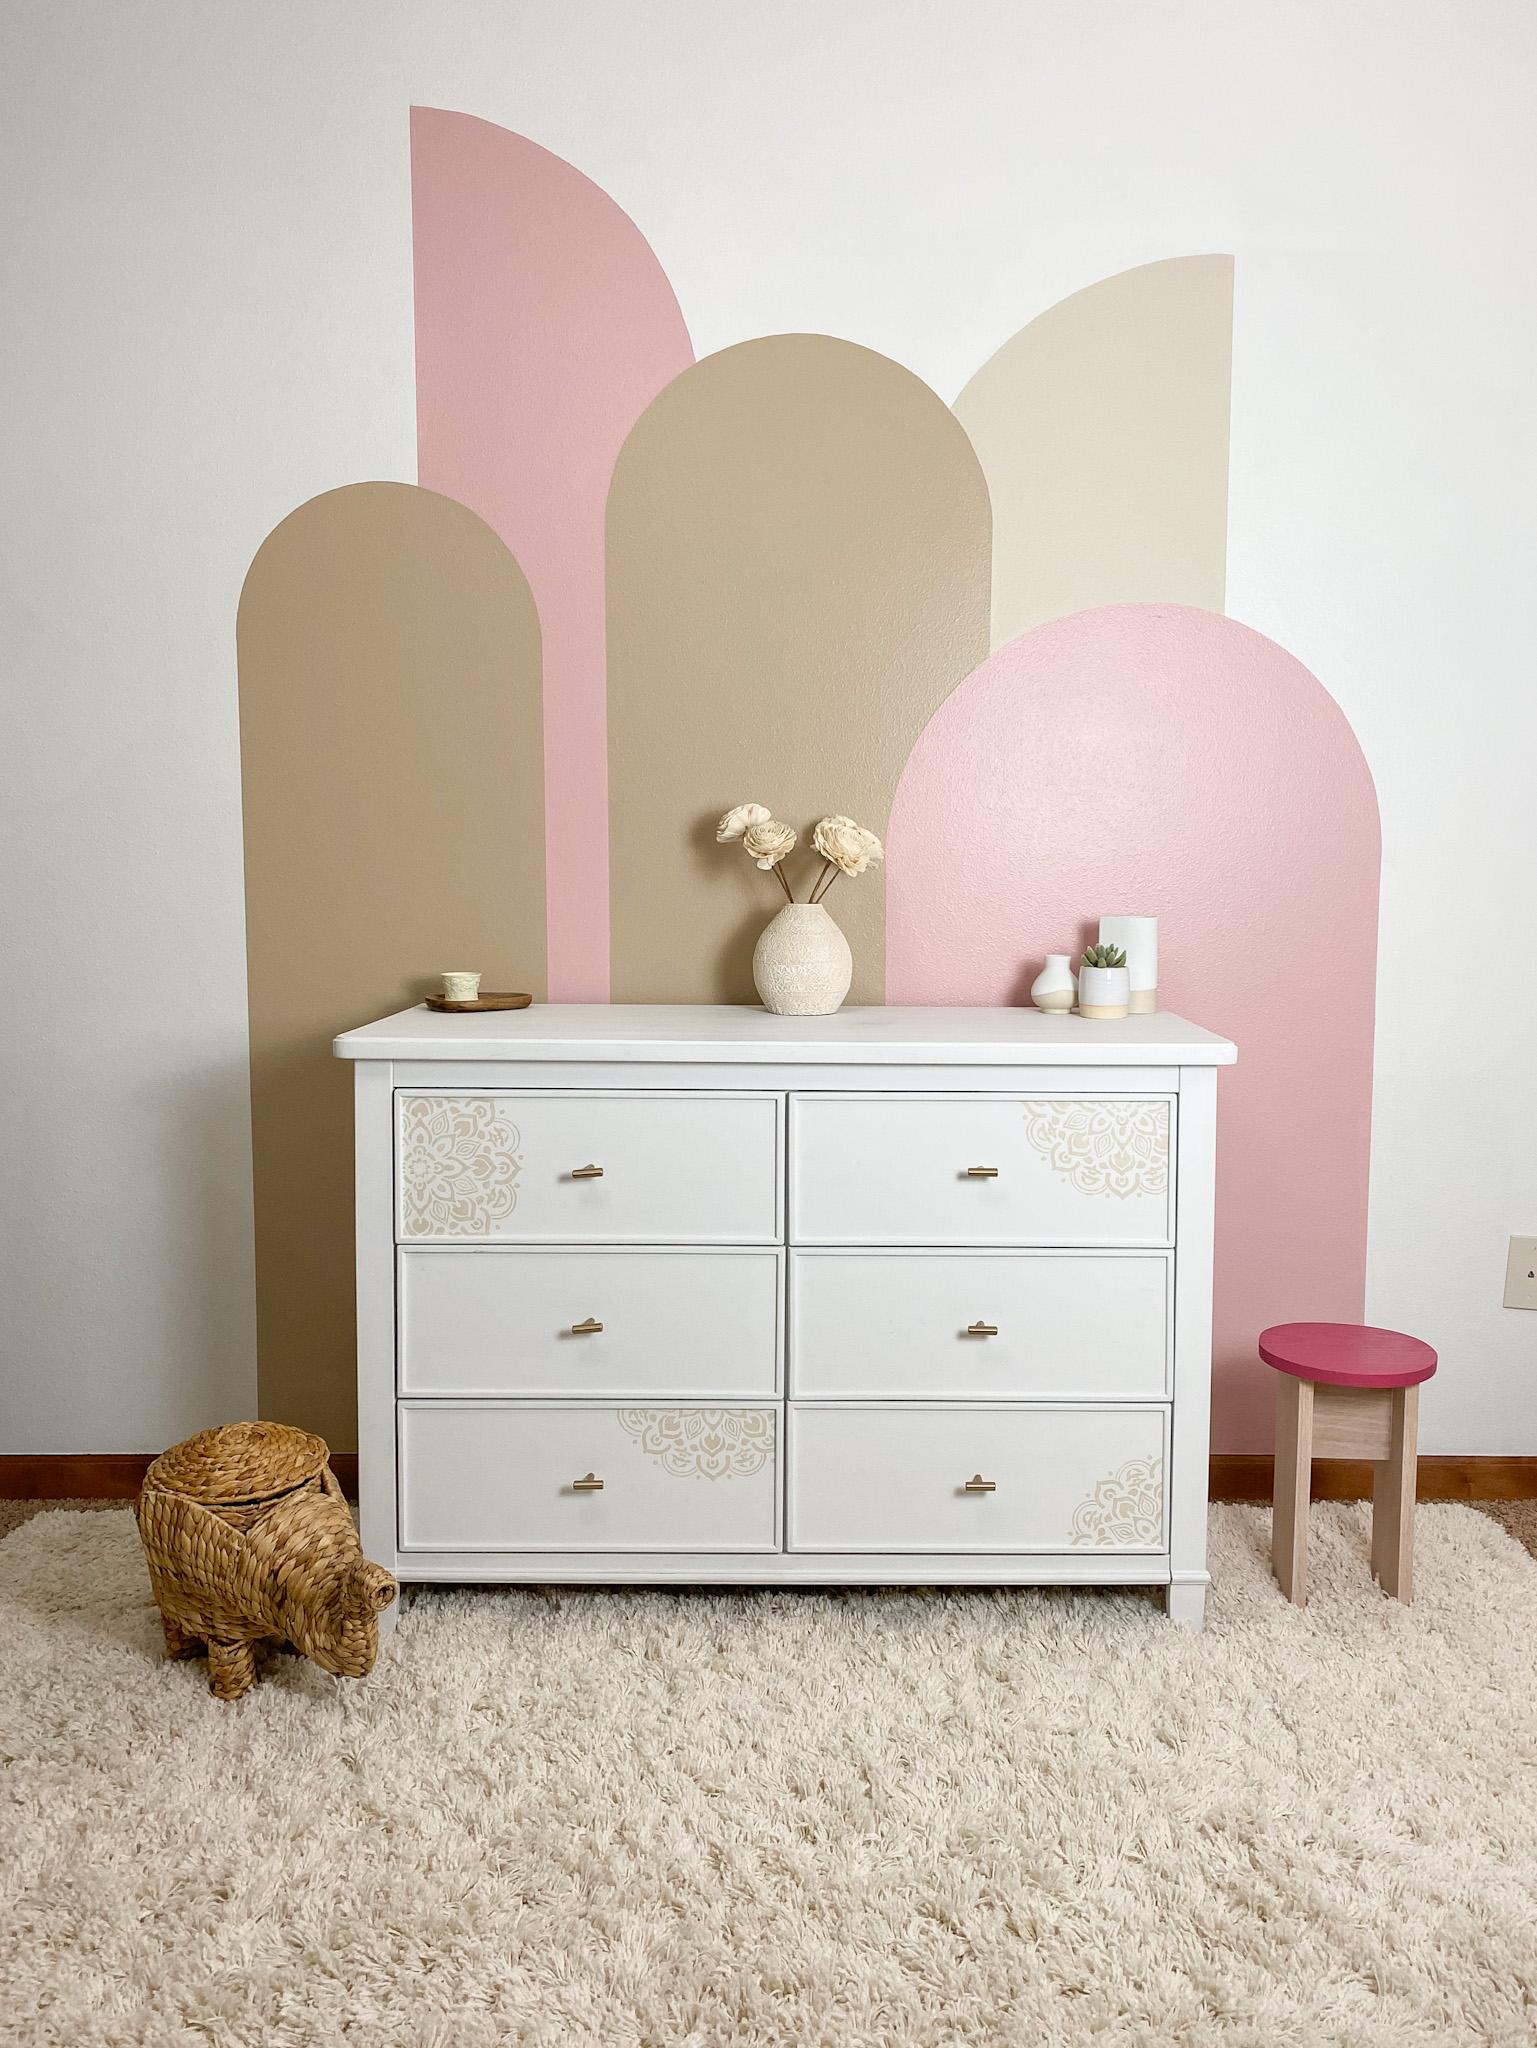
x,y
1186,1604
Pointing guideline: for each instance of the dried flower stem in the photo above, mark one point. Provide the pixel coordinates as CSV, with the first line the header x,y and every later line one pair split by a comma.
x,y
779,871
823,882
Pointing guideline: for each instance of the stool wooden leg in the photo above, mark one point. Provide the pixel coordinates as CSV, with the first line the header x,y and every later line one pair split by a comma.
x,y
1393,1500
1293,1479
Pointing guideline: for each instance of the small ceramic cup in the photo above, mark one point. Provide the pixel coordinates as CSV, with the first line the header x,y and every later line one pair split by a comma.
x,y
461,988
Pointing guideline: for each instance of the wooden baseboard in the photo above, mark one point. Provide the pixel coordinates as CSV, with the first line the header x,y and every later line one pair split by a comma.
x,y
109,1475
117,1475
1235,1477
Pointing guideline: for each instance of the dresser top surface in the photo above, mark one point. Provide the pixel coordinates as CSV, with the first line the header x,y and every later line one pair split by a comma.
x,y
720,1033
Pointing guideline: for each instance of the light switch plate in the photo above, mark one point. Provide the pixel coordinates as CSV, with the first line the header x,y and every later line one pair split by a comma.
x,y
1521,1273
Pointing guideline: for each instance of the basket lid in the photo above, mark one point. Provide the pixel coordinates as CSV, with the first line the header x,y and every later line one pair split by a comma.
x,y
241,1461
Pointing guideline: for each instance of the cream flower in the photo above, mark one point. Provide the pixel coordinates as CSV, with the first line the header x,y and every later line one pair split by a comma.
x,y
768,841
735,823
848,846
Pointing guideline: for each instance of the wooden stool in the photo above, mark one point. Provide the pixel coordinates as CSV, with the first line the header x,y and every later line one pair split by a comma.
x,y
1346,1392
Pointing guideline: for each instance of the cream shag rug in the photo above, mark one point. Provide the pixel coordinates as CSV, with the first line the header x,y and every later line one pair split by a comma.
x,y
787,1818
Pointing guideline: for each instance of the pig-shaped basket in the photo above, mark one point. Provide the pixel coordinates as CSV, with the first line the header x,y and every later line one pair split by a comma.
x,y
248,1537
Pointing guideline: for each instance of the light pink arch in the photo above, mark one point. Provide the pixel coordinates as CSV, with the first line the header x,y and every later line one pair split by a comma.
x,y
1159,760
544,328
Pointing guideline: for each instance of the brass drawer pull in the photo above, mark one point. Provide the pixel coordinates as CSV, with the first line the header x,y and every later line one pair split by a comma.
x,y
981,1329
977,1484
981,1173
587,1173
591,1484
589,1328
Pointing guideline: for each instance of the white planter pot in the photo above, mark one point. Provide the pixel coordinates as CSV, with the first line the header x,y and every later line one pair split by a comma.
x,y
1103,991
1054,987
802,964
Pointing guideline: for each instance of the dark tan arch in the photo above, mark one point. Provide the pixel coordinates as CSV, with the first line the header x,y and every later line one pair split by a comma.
x,y
390,758
798,561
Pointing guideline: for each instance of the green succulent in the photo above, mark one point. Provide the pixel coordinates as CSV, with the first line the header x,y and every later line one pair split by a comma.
x,y
1104,956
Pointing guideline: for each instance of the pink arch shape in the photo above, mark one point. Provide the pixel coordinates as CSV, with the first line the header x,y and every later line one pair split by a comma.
x,y
1159,760
544,328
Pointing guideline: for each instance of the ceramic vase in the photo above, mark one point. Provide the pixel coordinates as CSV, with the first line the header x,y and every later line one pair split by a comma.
x,y
802,963
1137,938
1054,988
1103,991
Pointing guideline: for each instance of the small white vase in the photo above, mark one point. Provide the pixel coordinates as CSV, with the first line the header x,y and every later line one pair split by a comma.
x,y
802,963
1054,988
1103,991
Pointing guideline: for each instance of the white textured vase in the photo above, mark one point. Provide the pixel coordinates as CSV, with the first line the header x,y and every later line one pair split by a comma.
x,y
1054,987
802,963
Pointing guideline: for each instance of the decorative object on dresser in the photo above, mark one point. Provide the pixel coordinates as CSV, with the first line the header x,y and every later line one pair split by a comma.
x,y
1104,988
692,1295
1346,1391
1138,939
461,988
802,965
491,1000
1055,988
247,1536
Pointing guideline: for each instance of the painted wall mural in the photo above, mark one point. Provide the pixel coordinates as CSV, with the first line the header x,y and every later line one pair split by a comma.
x,y
393,803
1183,764
798,556
498,712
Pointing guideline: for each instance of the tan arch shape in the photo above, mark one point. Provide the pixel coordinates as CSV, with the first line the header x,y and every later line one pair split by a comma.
x,y
1102,428
391,753
799,541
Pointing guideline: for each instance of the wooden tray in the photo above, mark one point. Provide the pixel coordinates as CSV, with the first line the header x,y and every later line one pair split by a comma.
x,y
486,1002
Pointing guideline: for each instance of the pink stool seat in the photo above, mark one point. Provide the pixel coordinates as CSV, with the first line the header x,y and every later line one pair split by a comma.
x,y
1347,1355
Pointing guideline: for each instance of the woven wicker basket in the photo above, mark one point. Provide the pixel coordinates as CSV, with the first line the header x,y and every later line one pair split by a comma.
x,y
248,1537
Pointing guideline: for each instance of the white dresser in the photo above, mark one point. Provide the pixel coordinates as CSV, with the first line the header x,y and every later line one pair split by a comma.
x,y
710,1296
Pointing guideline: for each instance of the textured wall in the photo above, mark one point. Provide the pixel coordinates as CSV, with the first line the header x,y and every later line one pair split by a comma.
x,y
212,322
1181,767
804,555
394,817
798,545
1103,430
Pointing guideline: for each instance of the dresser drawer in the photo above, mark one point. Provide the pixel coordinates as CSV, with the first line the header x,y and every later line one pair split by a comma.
x,y
946,1326
602,1167
520,1320
1063,1479
482,1476
969,1169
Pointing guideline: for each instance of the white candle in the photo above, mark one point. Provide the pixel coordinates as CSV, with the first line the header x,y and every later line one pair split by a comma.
x,y
461,988
1138,938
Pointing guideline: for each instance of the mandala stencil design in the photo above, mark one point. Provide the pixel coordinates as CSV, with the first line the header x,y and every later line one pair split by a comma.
x,y
704,1443
1104,1148
1124,1510
459,1165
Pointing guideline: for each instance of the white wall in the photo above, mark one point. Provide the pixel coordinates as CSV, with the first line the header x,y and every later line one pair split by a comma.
x,y
207,256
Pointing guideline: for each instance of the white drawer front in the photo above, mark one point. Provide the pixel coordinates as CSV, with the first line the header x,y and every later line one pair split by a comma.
x,y
519,1321
1065,1479
926,1169
508,1167
492,1478
946,1326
